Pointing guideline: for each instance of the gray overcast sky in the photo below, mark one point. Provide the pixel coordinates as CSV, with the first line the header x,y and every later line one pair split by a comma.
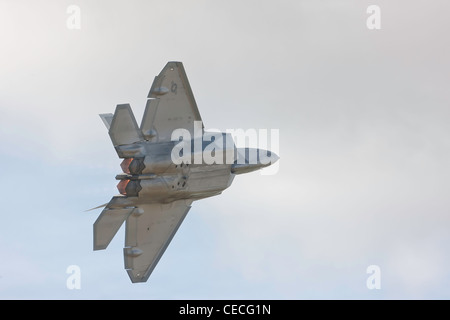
x,y
363,117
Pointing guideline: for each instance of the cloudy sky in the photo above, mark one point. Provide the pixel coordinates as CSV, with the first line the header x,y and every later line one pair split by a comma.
x,y
363,118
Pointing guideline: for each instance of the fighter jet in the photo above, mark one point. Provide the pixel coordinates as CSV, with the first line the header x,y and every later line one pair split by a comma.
x,y
169,162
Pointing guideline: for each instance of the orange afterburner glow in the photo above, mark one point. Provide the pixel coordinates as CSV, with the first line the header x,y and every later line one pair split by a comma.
x,y
125,164
122,185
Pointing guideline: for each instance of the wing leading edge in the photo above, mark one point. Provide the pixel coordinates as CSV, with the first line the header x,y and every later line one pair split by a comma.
x,y
170,105
148,234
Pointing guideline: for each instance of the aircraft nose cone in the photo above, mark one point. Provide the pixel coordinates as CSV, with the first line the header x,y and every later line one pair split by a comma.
x,y
269,158
274,157
253,159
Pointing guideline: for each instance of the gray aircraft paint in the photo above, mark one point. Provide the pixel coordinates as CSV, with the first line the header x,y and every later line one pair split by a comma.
x,y
156,192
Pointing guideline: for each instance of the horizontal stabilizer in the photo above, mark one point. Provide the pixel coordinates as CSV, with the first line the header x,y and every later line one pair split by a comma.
x,y
107,225
123,127
107,119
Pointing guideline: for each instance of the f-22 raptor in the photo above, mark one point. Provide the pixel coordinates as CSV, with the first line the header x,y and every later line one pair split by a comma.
x,y
163,175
